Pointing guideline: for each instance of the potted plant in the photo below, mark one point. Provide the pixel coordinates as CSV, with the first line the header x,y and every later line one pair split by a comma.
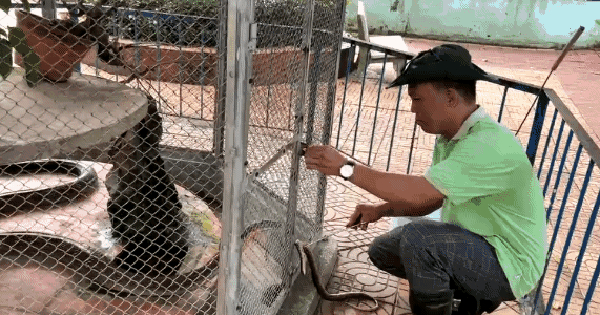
x,y
58,48
50,49
14,37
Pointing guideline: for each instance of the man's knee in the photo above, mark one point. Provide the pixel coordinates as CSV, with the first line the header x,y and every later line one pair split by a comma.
x,y
413,236
378,249
390,243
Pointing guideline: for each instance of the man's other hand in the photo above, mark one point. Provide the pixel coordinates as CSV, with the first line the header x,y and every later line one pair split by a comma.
x,y
324,159
363,215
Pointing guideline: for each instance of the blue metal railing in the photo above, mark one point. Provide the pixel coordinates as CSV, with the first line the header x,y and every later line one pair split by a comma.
x,y
568,163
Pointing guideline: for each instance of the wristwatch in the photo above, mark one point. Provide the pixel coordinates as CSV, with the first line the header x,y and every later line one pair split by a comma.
x,y
347,170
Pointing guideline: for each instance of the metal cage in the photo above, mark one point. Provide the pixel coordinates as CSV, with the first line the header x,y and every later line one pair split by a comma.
x,y
165,172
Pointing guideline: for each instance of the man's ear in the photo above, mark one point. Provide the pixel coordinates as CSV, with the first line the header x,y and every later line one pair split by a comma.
x,y
453,97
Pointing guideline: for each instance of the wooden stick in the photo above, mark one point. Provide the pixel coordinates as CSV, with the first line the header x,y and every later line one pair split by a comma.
x,y
556,63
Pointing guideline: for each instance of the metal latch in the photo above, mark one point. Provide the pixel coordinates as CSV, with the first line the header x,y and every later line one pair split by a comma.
x,y
277,156
252,39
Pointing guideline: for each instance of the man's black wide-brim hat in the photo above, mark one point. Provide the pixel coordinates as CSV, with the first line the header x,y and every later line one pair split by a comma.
x,y
444,62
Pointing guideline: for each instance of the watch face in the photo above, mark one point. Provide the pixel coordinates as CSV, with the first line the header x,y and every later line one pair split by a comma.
x,y
346,170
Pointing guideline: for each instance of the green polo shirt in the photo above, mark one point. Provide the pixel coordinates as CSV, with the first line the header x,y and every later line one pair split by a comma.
x,y
491,189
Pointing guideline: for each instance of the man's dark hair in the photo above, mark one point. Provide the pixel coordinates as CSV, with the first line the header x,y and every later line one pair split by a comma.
x,y
466,89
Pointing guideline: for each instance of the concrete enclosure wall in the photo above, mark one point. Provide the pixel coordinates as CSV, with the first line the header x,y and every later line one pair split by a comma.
x,y
536,23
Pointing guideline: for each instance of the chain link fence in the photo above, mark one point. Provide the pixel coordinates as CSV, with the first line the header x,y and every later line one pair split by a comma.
x,y
114,162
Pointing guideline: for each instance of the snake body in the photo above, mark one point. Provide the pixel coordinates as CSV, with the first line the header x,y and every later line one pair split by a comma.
x,y
85,183
335,296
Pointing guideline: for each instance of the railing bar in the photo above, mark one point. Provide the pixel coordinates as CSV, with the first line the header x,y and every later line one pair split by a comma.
x,y
269,91
384,49
412,144
588,175
536,127
547,143
159,60
202,80
558,176
591,147
74,19
515,84
573,223
376,108
351,54
362,92
502,104
556,148
588,233
549,253
179,64
290,119
138,56
389,161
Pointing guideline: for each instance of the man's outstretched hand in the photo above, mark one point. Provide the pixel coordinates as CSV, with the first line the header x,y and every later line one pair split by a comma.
x,y
324,159
328,161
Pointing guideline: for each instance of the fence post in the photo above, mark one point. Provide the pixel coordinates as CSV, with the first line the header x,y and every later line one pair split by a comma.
x,y
536,128
239,68
220,83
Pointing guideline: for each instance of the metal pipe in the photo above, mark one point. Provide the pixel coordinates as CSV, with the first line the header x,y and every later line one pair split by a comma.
x,y
292,205
239,56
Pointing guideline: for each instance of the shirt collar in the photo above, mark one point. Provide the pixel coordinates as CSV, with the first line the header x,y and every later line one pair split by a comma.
x,y
476,116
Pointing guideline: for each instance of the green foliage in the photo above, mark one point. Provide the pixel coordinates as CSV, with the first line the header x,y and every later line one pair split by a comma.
x,y
31,61
15,38
6,62
5,5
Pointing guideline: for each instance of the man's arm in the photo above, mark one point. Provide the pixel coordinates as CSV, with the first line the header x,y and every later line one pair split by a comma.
x,y
366,213
390,209
406,195
412,195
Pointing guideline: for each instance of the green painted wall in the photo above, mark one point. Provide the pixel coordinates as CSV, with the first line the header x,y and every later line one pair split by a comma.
x,y
537,23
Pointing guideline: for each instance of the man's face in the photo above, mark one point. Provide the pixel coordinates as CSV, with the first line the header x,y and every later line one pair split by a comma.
x,y
429,105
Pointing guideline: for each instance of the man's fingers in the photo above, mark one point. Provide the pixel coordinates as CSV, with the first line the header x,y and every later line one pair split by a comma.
x,y
313,150
354,220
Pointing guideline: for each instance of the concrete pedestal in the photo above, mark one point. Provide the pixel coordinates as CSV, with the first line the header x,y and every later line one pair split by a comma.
x,y
50,118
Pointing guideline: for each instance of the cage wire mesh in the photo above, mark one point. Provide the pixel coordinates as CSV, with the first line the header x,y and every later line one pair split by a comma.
x,y
111,179
293,85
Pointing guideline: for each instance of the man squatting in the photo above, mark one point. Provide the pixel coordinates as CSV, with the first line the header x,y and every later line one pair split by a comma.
x,y
491,242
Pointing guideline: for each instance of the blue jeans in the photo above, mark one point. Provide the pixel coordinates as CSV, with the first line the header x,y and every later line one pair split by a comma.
x,y
437,257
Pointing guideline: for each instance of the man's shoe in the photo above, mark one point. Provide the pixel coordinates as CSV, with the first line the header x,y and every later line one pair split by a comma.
x,y
439,303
